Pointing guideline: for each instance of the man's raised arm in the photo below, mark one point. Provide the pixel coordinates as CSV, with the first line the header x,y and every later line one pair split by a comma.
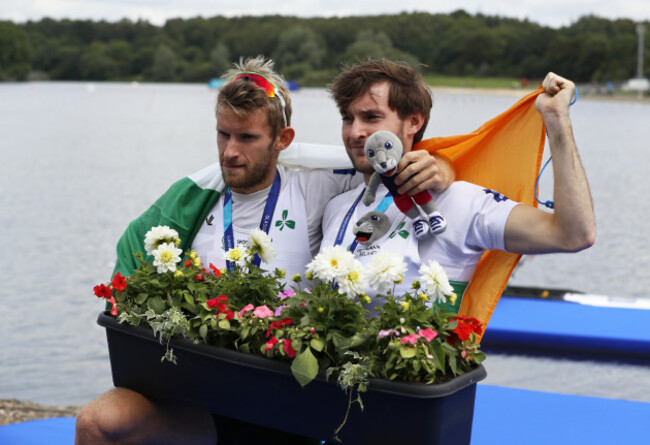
x,y
572,226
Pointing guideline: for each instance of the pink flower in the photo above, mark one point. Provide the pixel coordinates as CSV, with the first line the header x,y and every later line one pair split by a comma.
x,y
412,339
113,305
286,294
386,332
248,307
278,311
263,311
428,333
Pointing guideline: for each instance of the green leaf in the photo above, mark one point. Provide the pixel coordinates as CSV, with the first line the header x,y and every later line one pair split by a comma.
x,y
203,331
188,297
291,224
407,352
285,213
452,364
191,308
404,234
156,304
304,367
278,223
224,324
141,298
317,344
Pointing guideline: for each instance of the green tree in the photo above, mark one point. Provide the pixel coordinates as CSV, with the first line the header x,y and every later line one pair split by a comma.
x,y
15,52
165,63
219,59
96,64
375,45
299,45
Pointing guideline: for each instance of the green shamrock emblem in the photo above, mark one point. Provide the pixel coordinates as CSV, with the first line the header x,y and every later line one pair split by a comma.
x,y
403,233
285,222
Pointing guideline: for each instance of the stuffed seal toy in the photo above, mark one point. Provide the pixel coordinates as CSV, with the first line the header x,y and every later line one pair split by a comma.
x,y
371,227
384,149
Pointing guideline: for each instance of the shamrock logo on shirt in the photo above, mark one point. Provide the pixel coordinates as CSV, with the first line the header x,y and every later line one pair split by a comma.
x,y
403,233
285,222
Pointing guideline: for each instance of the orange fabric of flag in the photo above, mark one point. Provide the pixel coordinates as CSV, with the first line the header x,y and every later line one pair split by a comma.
x,y
505,155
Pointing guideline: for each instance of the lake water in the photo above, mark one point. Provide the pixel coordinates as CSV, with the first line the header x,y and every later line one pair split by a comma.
x,y
78,161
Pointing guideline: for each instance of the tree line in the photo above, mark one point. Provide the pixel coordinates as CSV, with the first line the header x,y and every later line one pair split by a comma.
x,y
311,50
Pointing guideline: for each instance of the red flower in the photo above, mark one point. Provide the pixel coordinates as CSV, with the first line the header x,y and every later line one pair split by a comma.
x,y
221,304
199,277
218,302
215,270
188,263
119,282
278,324
270,344
102,291
465,327
288,349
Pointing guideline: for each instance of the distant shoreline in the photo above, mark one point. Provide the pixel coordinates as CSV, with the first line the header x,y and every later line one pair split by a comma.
x,y
513,92
16,411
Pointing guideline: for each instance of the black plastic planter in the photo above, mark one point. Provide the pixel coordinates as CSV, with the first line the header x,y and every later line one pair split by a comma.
x,y
264,392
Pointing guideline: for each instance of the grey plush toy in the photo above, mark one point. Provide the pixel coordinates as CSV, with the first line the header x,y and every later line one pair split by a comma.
x,y
384,149
371,227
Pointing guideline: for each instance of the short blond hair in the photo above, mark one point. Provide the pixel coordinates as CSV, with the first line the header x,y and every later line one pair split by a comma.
x,y
242,97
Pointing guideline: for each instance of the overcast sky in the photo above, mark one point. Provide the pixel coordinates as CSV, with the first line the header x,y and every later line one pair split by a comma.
x,y
555,13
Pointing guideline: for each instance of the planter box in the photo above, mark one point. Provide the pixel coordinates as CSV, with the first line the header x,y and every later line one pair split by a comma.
x,y
264,392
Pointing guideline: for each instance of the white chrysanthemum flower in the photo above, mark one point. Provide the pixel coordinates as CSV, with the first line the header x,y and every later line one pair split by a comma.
x,y
351,283
237,255
434,281
166,256
331,263
158,235
385,269
261,244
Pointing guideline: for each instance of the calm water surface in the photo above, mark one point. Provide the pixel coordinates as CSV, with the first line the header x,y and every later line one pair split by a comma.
x,y
79,161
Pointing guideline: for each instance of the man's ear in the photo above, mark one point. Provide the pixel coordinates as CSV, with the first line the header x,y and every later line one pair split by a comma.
x,y
415,121
284,138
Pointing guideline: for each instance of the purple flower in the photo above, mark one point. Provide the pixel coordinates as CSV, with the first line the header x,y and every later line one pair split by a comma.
x,y
278,311
386,332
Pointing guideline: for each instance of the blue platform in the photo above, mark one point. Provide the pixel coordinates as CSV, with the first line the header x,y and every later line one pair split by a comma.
x,y
526,325
503,416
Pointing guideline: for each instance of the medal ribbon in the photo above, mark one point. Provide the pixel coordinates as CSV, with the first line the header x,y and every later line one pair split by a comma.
x,y
265,223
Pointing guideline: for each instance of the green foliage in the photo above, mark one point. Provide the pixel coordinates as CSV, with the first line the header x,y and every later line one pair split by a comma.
x,y
164,63
308,49
15,52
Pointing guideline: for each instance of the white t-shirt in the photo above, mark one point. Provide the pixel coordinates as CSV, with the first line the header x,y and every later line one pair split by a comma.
x,y
476,219
296,227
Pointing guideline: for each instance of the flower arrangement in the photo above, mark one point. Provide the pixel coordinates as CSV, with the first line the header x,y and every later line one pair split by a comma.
x,y
318,323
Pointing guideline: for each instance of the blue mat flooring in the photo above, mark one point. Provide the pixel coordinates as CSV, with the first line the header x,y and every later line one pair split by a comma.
x,y
528,324
503,416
